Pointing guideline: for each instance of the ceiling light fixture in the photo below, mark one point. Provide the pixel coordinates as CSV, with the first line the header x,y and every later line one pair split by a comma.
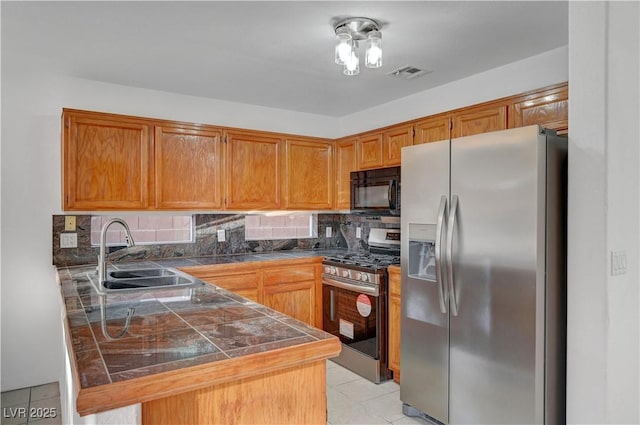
x,y
348,32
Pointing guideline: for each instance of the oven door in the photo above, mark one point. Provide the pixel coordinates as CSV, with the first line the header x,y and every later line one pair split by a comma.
x,y
353,313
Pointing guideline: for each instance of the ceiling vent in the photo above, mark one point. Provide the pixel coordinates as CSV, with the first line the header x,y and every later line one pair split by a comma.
x,y
408,72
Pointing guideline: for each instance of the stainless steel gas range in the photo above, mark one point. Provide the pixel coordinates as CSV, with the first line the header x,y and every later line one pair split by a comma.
x,y
354,291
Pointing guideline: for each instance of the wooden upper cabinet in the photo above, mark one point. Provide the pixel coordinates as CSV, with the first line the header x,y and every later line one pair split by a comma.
x,y
309,177
432,129
369,150
346,162
253,171
106,162
548,108
479,119
394,139
188,166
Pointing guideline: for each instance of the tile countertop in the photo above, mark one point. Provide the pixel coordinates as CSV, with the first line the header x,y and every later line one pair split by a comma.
x,y
170,330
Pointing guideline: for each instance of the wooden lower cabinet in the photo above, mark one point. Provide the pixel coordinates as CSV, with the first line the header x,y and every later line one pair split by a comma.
x,y
292,290
292,287
394,321
271,398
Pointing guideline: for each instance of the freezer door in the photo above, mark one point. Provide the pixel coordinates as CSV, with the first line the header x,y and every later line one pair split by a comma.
x,y
425,321
497,286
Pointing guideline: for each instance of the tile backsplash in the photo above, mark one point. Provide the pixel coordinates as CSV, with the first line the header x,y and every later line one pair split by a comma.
x,y
206,244
145,229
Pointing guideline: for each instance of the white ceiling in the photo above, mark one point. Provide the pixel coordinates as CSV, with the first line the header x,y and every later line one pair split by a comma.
x,y
275,54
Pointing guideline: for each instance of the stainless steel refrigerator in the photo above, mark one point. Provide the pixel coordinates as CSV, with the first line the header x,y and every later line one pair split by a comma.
x,y
483,325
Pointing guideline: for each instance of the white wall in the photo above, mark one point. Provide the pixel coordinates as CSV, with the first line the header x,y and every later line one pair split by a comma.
x,y
603,313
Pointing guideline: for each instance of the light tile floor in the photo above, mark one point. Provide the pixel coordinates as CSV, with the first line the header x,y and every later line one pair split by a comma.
x,y
39,405
352,399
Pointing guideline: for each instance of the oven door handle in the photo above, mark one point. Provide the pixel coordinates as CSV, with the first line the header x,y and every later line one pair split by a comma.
x,y
332,305
351,287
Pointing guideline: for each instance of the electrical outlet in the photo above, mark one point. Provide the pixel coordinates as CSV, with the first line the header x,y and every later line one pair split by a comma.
x,y
329,231
69,223
618,262
68,240
358,232
221,236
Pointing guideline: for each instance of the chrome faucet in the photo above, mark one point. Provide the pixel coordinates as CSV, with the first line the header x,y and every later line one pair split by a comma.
x,y
102,258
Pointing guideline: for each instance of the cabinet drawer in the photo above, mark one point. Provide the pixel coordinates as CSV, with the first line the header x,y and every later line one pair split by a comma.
x,y
234,282
289,275
243,284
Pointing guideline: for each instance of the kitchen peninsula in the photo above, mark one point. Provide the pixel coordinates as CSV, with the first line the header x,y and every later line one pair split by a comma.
x,y
192,355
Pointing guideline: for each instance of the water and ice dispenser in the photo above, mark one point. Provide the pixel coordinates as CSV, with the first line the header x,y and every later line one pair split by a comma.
x,y
422,251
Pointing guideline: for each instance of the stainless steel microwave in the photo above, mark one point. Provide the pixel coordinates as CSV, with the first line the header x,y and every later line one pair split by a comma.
x,y
376,191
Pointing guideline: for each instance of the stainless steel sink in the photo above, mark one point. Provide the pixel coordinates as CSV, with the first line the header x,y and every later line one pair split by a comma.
x,y
143,279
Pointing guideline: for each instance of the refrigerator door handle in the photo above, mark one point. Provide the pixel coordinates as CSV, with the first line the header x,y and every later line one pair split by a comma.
x,y
450,228
438,254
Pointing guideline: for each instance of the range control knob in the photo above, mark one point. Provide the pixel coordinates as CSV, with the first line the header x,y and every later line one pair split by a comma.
x,y
333,270
345,273
364,277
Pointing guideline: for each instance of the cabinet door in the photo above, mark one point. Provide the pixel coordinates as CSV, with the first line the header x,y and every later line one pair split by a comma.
x,y
188,168
309,176
106,163
370,151
548,108
481,119
292,291
394,140
394,322
345,164
433,129
253,171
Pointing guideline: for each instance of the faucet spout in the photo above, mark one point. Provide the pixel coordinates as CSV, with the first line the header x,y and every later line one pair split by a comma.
x,y
102,258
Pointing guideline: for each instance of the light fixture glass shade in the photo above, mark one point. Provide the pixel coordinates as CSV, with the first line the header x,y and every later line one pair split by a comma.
x,y
352,65
373,55
343,45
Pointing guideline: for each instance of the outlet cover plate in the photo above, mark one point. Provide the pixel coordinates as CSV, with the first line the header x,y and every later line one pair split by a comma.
x,y
618,262
68,240
70,223
329,232
221,236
